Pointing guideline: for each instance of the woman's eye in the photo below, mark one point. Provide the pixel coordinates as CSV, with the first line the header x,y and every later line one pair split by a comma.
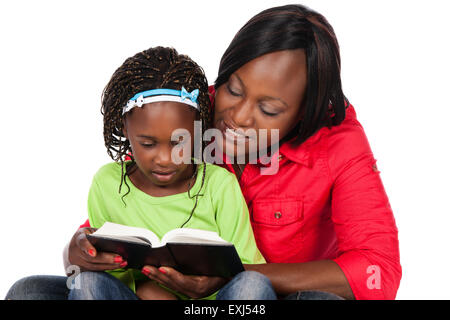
x,y
232,91
270,114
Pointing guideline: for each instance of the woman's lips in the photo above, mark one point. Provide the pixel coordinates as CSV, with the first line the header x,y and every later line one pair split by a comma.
x,y
233,134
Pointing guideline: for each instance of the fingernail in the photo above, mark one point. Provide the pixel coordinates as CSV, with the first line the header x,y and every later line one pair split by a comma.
x,y
146,271
118,259
162,270
91,252
123,264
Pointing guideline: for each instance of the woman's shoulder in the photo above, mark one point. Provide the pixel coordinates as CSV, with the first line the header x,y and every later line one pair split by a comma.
x,y
338,145
348,137
346,143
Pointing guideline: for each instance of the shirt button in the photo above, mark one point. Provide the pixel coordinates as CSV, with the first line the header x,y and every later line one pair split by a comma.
x,y
277,215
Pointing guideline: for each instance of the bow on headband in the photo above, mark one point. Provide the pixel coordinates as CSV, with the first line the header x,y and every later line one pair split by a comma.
x,y
191,96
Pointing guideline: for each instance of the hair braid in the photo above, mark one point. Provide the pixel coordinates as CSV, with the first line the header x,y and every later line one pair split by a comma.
x,y
157,67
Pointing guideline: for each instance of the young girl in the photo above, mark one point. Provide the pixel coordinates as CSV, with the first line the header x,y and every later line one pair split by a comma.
x,y
151,95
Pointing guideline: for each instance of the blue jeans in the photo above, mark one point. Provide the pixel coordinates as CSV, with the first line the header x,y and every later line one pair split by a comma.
x,y
251,285
248,285
39,288
88,286
91,285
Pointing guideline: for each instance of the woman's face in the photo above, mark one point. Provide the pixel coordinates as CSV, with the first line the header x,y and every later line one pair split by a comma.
x,y
265,93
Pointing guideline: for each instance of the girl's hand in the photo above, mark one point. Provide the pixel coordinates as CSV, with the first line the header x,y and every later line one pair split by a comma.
x,y
81,252
192,286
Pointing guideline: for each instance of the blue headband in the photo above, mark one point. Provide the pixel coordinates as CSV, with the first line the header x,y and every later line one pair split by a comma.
x,y
157,95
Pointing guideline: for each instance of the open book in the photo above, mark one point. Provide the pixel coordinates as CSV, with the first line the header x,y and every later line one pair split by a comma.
x,y
190,251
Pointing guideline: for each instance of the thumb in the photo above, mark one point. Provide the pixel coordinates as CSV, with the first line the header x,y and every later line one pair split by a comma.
x,y
84,244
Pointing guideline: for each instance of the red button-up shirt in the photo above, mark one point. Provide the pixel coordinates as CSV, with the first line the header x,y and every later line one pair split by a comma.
x,y
327,201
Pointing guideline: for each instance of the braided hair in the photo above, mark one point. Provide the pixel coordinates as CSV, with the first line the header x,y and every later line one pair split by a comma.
x,y
154,68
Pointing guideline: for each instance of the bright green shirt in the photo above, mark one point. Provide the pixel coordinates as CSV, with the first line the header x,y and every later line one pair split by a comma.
x,y
221,208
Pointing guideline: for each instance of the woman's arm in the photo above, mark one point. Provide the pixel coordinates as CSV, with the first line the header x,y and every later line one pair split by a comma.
x,y
366,232
324,275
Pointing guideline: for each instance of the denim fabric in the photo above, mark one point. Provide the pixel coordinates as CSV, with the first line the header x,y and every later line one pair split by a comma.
x,y
248,285
100,286
251,285
313,295
39,288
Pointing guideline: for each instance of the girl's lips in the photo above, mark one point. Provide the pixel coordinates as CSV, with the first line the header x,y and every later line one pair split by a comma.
x,y
163,176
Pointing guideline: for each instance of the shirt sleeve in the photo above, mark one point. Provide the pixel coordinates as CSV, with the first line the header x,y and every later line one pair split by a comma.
x,y
233,219
85,224
364,223
97,212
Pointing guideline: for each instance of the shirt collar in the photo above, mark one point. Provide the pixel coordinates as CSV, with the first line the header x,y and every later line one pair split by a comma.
x,y
298,154
302,154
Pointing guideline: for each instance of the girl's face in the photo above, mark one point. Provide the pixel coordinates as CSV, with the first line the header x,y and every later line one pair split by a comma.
x,y
265,93
149,130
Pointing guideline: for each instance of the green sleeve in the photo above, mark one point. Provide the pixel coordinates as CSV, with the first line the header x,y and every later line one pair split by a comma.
x,y
97,212
233,219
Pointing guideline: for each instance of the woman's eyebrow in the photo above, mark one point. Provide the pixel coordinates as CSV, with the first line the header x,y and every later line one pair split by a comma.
x,y
265,97
239,79
276,99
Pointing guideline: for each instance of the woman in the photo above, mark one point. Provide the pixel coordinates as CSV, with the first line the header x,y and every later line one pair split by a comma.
x,y
322,219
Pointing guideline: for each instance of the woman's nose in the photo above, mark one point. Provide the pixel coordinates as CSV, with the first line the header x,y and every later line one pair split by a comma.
x,y
242,115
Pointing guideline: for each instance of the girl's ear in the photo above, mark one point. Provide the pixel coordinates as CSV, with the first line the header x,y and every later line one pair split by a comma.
x,y
124,128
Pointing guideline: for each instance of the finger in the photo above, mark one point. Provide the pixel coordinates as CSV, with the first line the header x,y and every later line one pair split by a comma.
x,y
172,279
106,258
90,254
83,243
172,274
155,274
104,266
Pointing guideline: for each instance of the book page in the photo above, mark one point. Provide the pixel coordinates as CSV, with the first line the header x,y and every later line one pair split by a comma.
x,y
114,230
187,235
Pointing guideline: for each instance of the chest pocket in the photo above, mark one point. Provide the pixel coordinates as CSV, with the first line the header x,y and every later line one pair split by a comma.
x,y
277,225
277,212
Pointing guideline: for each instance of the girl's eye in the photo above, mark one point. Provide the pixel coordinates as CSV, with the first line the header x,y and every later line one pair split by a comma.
x,y
175,143
147,145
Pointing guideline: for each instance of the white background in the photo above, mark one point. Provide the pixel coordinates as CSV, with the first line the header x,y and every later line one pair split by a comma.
x,y
57,56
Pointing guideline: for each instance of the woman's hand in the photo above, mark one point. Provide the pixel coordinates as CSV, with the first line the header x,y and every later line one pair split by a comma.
x,y
195,287
81,252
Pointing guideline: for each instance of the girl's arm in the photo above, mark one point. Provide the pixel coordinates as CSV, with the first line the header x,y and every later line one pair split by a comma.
x,y
80,252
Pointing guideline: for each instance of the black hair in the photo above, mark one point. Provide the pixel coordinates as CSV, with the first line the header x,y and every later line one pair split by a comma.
x,y
154,68
294,27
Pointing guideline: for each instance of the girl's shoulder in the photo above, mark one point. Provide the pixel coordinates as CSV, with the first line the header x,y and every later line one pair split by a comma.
x,y
112,170
216,172
219,183
217,176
